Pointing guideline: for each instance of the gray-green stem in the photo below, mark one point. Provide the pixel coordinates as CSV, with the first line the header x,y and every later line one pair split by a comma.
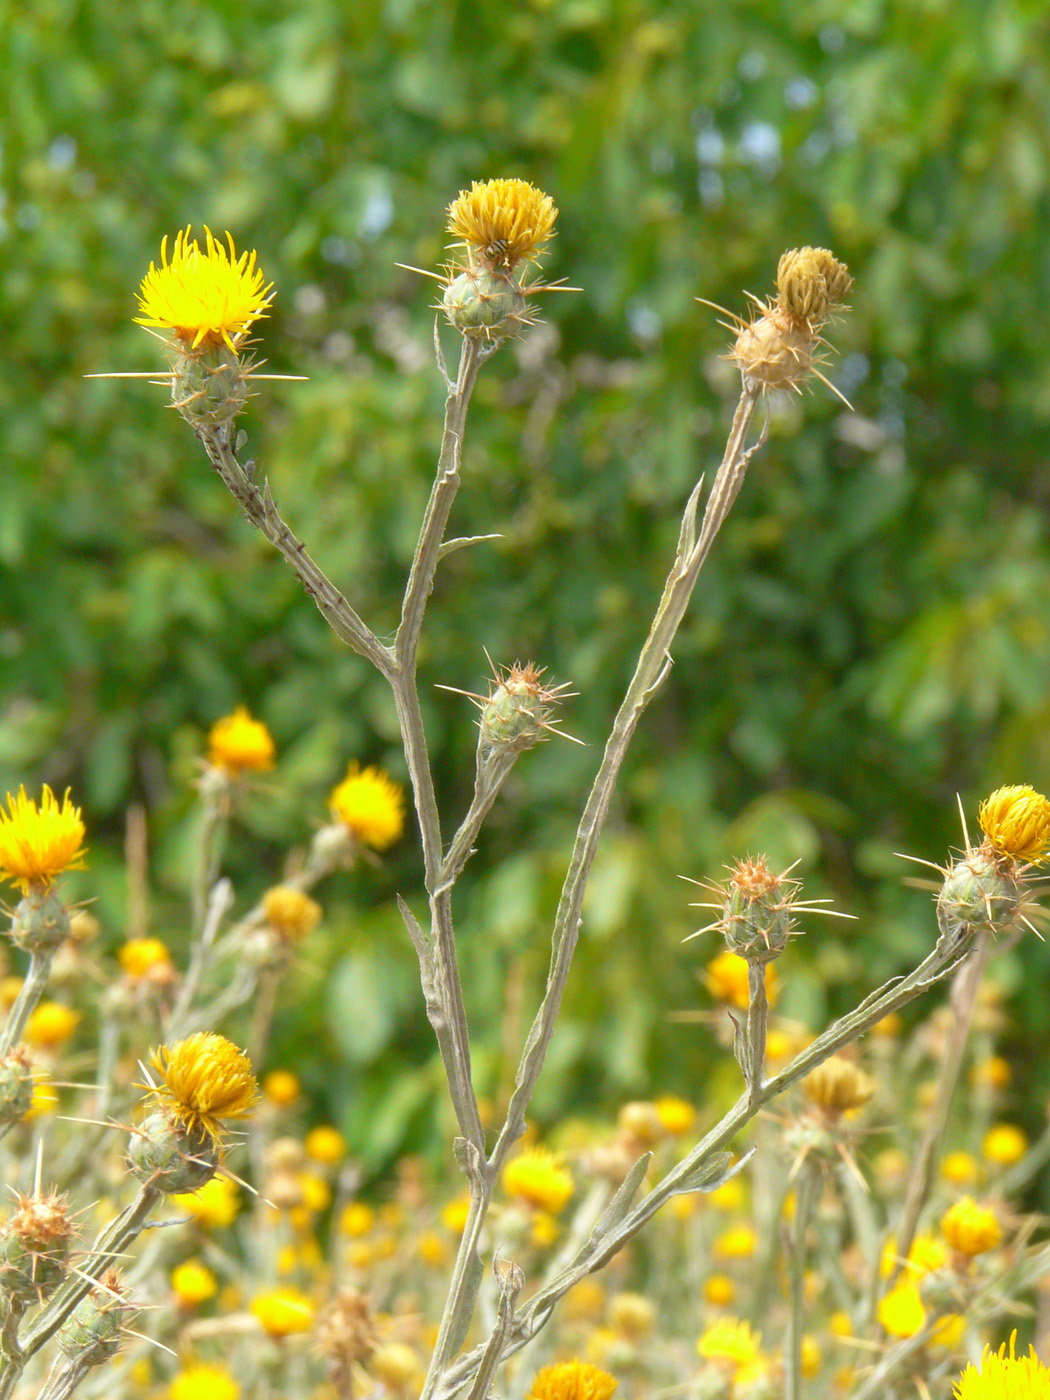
x,y
31,991
807,1193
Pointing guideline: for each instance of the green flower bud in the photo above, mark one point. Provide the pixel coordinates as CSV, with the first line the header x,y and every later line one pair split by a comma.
x,y
40,923
209,386
980,894
34,1245
93,1332
480,301
16,1087
165,1154
756,917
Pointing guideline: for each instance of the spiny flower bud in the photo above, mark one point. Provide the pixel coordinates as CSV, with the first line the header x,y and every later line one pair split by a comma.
x,y
209,386
93,1332
837,1086
480,302
517,712
40,923
171,1156
756,918
979,895
16,1087
34,1245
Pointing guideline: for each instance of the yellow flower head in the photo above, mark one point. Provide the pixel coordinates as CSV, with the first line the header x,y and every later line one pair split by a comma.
x,y
193,1283
1005,1377
960,1168
1004,1144
971,1229
215,1204
738,1242
325,1144
572,1380
536,1178
719,1290
1016,821
676,1115
733,1345
282,1311
204,1383
204,1079
502,221
205,298
370,805
238,744
50,1025
38,843
290,913
281,1088
139,956
838,1086
901,1311
726,978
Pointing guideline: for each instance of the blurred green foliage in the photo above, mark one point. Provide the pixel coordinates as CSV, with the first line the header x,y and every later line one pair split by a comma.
x,y
871,637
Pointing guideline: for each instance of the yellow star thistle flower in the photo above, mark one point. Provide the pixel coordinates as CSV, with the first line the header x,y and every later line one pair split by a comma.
x,y
732,1344
572,1380
139,956
216,1203
971,1229
290,913
370,806
536,1178
206,298
283,1311
1016,821
726,978
239,744
901,1311
204,1383
502,221
38,843
204,1079
1004,1144
1005,1377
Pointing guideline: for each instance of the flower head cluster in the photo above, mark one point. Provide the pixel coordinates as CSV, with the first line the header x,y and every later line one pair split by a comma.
x,y
502,222
732,1345
1016,821
239,744
204,1079
370,805
1005,1377
536,1177
39,842
207,298
572,1380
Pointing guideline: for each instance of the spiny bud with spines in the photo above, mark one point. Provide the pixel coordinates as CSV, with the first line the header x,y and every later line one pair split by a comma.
x,y
94,1330
518,711
778,347
756,918
34,1247
16,1086
481,302
209,386
41,922
171,1156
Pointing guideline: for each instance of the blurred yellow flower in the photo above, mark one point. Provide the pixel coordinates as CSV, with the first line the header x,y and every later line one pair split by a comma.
x,y
50,1025
282,1311
203,1383
205,298
959,1168
370,805
325,1144
193,1283
726,979
732,1344
204,1079
281,1088
140,955
535,1177
45,1100
215,1204
290,913
1004,1145
357,1219
739,1242
901,1311
1016,821
1005,1377
676,1115
239,744
39,842
971,1229
454,1214
719,1290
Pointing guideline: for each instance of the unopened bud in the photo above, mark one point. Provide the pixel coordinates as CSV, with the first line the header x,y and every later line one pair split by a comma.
x,y
483,302
93,1332
16,1087
34,1245
209,385
775,351
516,716
756,918
980,894
170,1157
40,923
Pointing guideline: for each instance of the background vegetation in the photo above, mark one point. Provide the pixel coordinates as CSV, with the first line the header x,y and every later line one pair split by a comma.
x,y
871,637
